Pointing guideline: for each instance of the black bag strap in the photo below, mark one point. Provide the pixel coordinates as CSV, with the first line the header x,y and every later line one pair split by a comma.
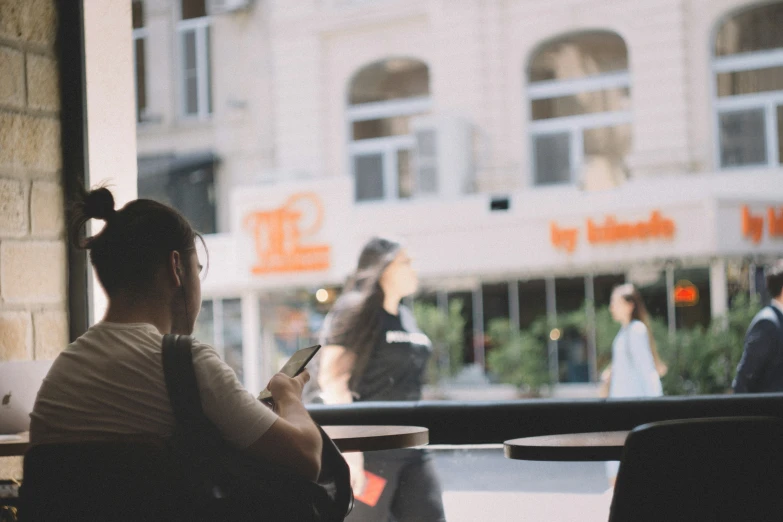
x,y
182,386
181,382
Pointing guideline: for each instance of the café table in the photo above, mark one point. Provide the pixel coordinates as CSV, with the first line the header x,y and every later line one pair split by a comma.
x,y
374,438
574,447
347,439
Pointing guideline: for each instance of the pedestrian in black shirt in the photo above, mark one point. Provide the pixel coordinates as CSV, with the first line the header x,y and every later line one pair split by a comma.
x,y
761,367
373,351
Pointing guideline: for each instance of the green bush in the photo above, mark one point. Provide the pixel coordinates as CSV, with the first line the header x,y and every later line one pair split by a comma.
x,y
700,360
704,360
445,330
519,357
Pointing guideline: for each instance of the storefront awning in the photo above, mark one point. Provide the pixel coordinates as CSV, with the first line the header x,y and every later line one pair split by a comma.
x,y
170,164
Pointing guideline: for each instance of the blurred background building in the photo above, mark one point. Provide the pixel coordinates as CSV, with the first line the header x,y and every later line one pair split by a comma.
x,y
531,154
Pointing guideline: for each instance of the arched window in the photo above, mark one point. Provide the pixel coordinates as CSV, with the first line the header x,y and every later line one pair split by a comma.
x,y
383,98
748,66
580,95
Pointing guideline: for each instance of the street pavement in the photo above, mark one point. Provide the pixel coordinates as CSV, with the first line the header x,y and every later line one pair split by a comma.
x,y
482,485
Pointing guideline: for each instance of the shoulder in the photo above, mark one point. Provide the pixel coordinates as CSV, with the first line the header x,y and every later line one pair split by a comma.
x,y
765,319
766,315
637,328
205,354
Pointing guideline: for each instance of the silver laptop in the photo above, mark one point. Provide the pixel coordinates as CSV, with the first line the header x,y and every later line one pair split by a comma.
x,y
19,384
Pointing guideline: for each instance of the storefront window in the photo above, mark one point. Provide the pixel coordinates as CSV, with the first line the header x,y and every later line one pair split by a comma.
x,y
569,330
694,313
204,330
532,301
289,321
496,302
466,299
232,335
219,324
654,293
603,285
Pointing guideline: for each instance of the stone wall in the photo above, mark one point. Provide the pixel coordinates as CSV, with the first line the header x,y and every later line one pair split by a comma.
x,y
33,262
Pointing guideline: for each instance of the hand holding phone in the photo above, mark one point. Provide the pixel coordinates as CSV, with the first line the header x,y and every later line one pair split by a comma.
x,y
293,367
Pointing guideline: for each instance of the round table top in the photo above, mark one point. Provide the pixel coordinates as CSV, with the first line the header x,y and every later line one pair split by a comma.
x,y
346,438
374,438
599,446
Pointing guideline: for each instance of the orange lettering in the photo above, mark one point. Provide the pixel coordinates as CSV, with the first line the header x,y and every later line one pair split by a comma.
x,y
775,222
278,233
564,238
593,232
752,226
614,231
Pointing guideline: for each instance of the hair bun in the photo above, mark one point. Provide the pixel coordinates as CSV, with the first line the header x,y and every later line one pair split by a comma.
x,y
99,204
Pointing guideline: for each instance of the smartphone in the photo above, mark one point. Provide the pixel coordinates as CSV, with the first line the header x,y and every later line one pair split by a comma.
x,y
294,366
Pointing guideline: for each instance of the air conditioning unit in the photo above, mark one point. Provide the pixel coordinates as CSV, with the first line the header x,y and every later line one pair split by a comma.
x,y
216,7
444,163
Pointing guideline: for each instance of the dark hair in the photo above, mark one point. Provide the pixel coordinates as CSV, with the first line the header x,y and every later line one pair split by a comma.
x,y
135,242
355,319
775,279
631,295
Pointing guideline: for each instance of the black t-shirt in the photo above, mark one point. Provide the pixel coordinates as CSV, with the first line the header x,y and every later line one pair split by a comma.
x,y
396,367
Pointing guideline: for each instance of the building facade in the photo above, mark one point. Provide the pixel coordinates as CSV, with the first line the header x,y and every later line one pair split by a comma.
x,y
530,154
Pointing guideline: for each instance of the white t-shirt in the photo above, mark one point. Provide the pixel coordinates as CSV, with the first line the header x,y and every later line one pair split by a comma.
x,y
110,380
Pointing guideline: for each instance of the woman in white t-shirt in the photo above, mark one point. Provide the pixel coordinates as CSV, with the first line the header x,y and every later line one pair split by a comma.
x,y
110,381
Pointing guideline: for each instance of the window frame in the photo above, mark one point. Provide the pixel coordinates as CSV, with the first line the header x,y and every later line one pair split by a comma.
x,y
768,102
573,125
450,422
142,34
386,146
201,27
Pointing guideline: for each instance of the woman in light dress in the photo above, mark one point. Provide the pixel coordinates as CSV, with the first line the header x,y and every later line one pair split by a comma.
x,y
636,367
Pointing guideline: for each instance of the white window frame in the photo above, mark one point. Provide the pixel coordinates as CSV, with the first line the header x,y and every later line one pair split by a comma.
x,y
388,146
768,102
200,27
574,125
139,34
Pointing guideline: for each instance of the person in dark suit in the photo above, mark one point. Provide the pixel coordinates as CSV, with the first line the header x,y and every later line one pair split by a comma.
x,y
761,367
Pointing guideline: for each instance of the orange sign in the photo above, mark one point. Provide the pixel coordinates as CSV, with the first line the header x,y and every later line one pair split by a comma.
x,y
613,231
278,236
685,293
753,224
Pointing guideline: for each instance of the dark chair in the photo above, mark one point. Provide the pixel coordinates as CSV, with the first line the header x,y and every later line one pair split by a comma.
x,y
97,481
710,469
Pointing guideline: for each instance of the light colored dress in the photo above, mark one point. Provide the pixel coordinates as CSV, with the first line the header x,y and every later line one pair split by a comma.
x,y
633,370
633,367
